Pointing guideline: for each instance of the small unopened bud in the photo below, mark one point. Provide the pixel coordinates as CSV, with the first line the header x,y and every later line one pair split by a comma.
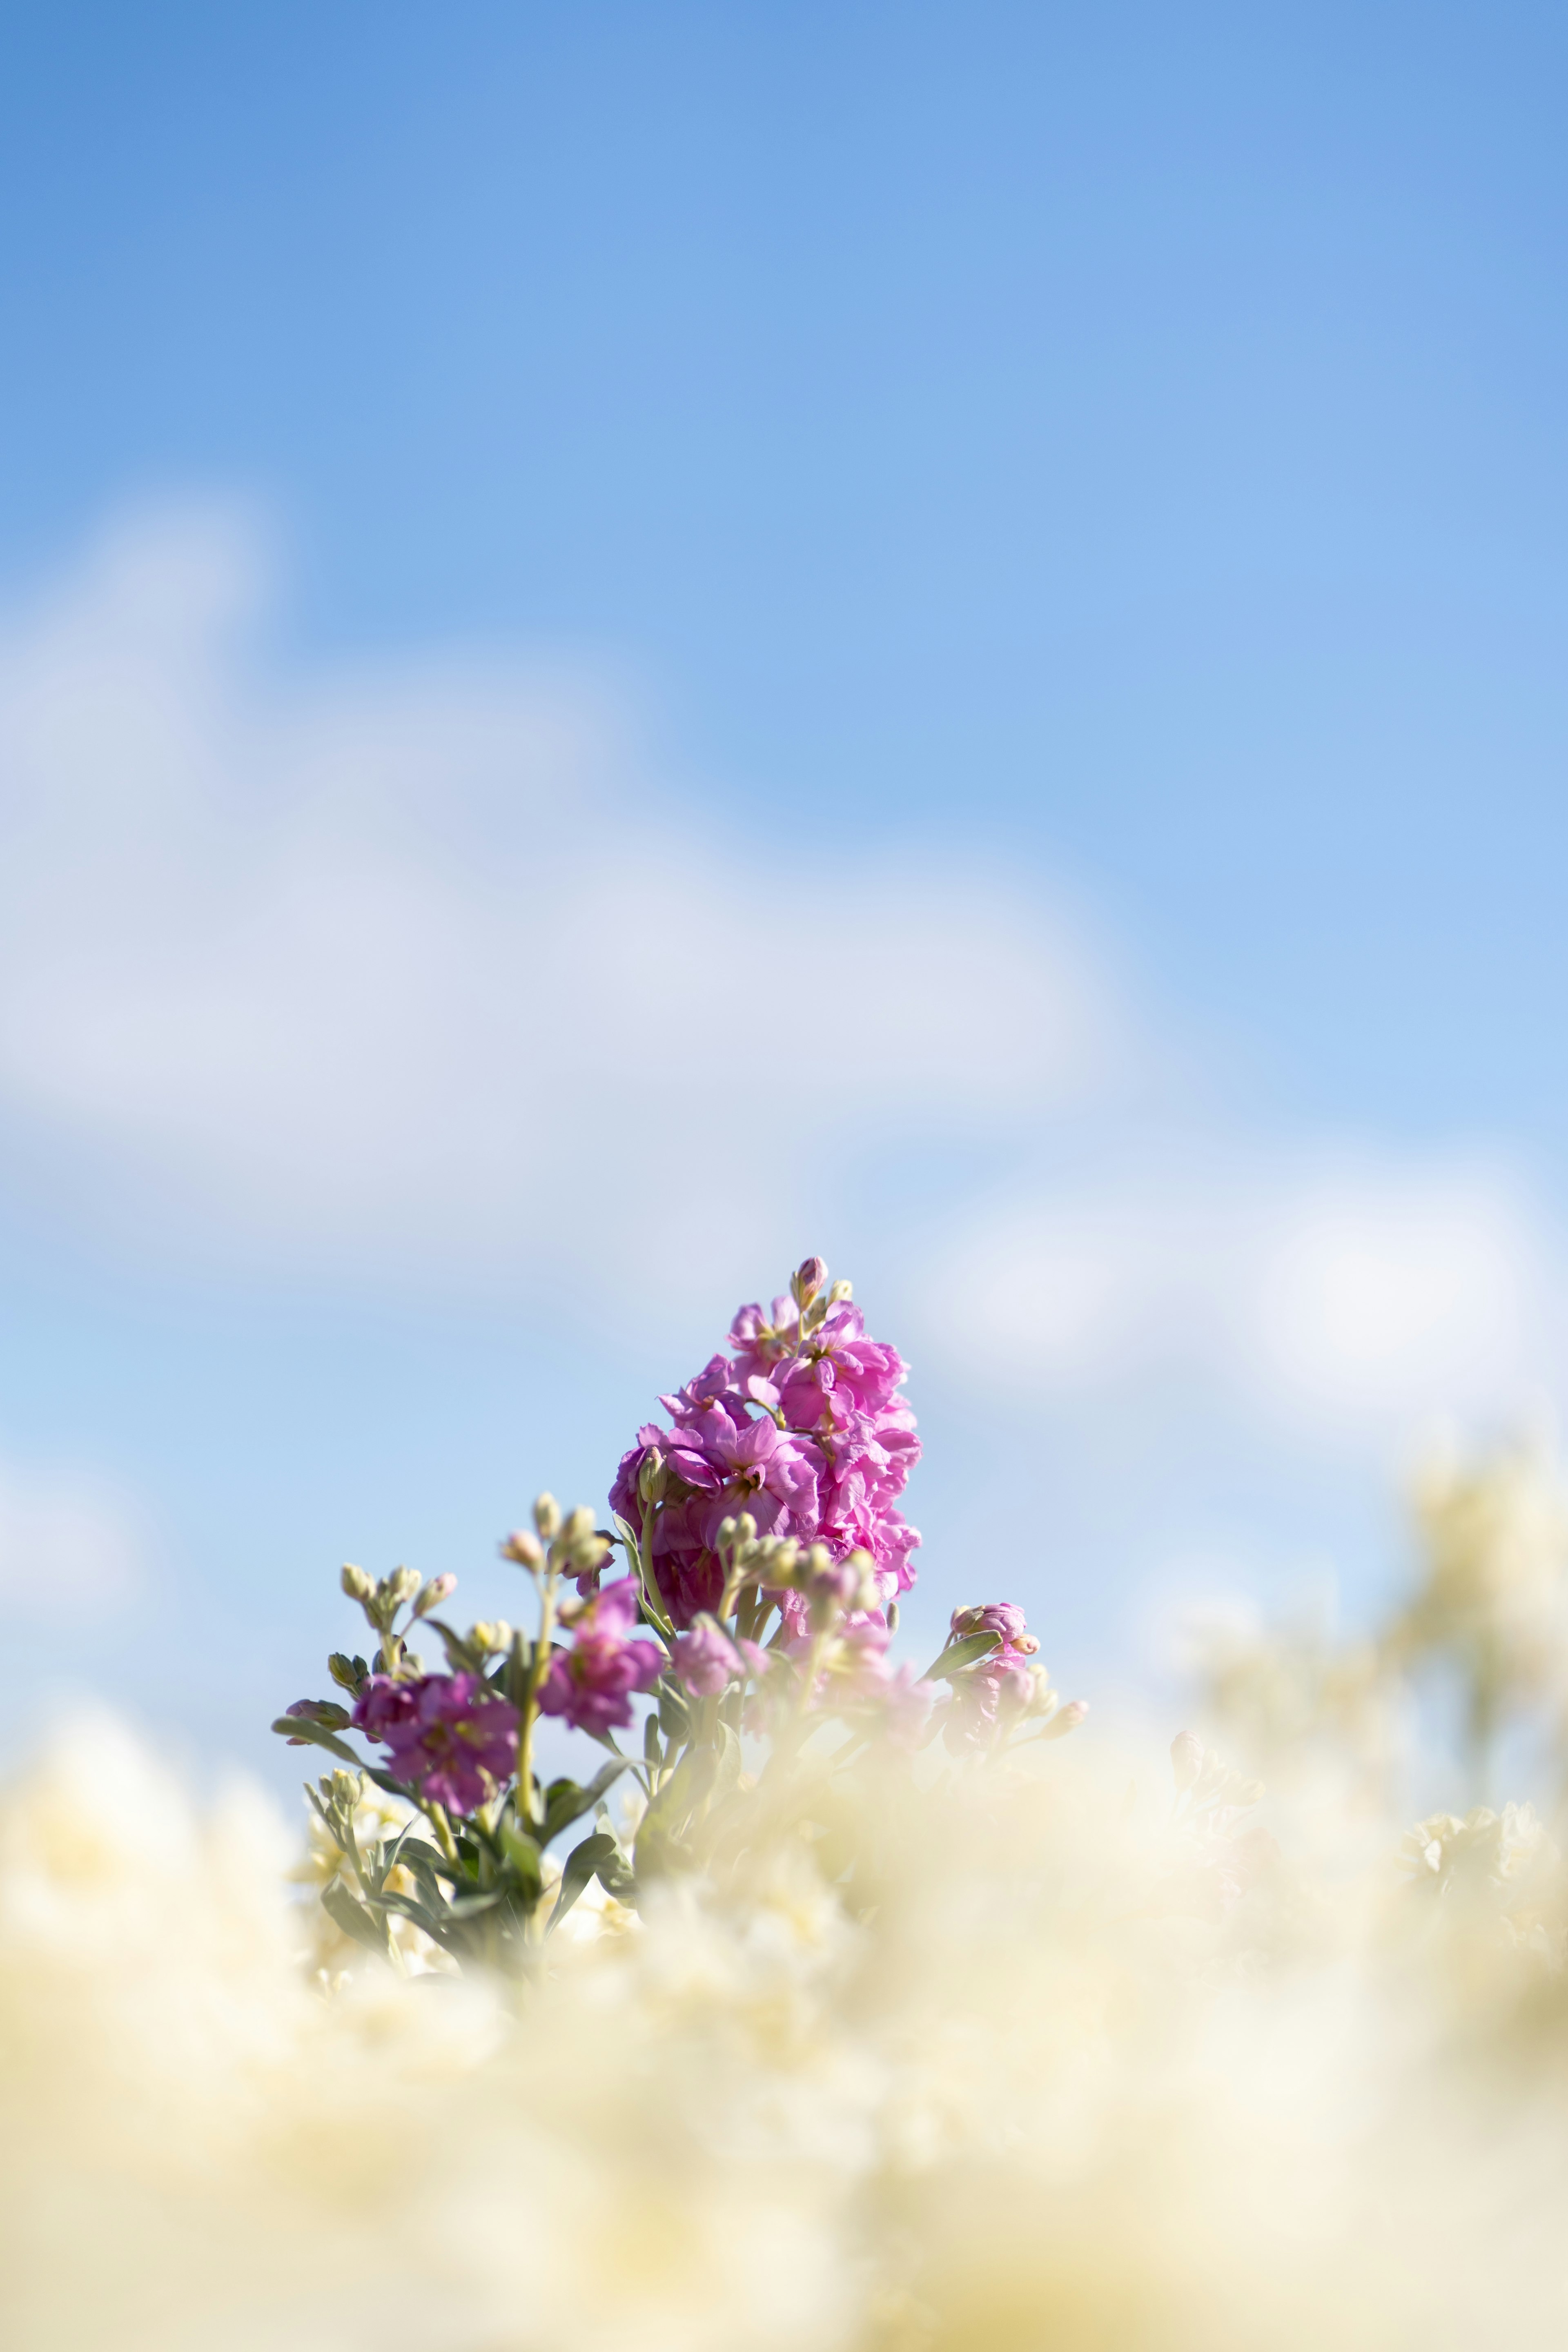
x,y
346,1672
355,1582
807,1280
348,1788
523,1547
579,1527
547,1518
839,1293
324,1711
778,1567
653,1476
1186,1759
1066,1718
402,1585
892,1616
1027,1644
439,1588
493,1635
818,1559
746,1527
728,1530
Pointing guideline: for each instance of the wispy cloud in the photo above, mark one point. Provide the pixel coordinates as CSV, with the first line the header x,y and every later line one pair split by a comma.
x,y
414,968
1345,1294
416,972
68,1543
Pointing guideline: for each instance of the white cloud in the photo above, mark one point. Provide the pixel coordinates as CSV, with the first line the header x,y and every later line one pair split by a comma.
x,y
411,972
67,1544
1354,1296
412,967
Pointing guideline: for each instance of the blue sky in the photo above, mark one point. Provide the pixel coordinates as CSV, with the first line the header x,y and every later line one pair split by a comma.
x,y
1112,458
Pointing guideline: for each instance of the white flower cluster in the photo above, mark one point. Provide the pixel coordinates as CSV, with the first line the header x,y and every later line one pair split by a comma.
x,y
1094,2063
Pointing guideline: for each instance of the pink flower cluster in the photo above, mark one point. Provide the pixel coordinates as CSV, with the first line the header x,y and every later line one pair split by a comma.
x,y
707,1659
451,1735
591,1683
807,1433
1000,1684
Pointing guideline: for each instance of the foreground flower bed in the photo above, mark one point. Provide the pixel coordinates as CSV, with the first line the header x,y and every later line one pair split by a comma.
x,y
898,2026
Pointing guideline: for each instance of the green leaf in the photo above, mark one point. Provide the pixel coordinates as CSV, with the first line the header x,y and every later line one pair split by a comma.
x,y
674,1715
355,1919
674,1804
653,1607
467,1906
299,1726
565,1802
618,1878
522,1853
461,1655
519,1660
581,1864
420,1912
959,1655
728,1769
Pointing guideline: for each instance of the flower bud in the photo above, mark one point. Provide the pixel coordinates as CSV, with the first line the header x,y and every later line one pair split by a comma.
x,y
893,1615
591,1554
1186,1760
1066,1719
523,1547
494,1634
746,1527
348,1790
839,1293
439,1588
778,1564
401,1585
355,1582
346,1672
579,1527
547,1518
807,1280
653,1476
324,1711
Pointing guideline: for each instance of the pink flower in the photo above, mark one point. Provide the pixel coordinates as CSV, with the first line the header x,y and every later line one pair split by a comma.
x,y
591,1683
451,1736
832,1474
858,1680
384,1705
1001,1617
718,1463
707,1660
986,1696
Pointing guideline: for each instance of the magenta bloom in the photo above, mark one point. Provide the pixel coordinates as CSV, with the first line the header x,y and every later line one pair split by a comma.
x,y
986,1695
1003,1617
451,1736
833,1473
384,1706
591,1683
707,1659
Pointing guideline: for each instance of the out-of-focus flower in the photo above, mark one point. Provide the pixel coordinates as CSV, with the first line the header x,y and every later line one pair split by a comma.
x,y
1002,1618
1493,1600
590,1684
707,1659
451,1735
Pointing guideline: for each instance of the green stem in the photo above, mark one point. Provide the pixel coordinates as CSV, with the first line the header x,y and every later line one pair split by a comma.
x,y
539,1665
